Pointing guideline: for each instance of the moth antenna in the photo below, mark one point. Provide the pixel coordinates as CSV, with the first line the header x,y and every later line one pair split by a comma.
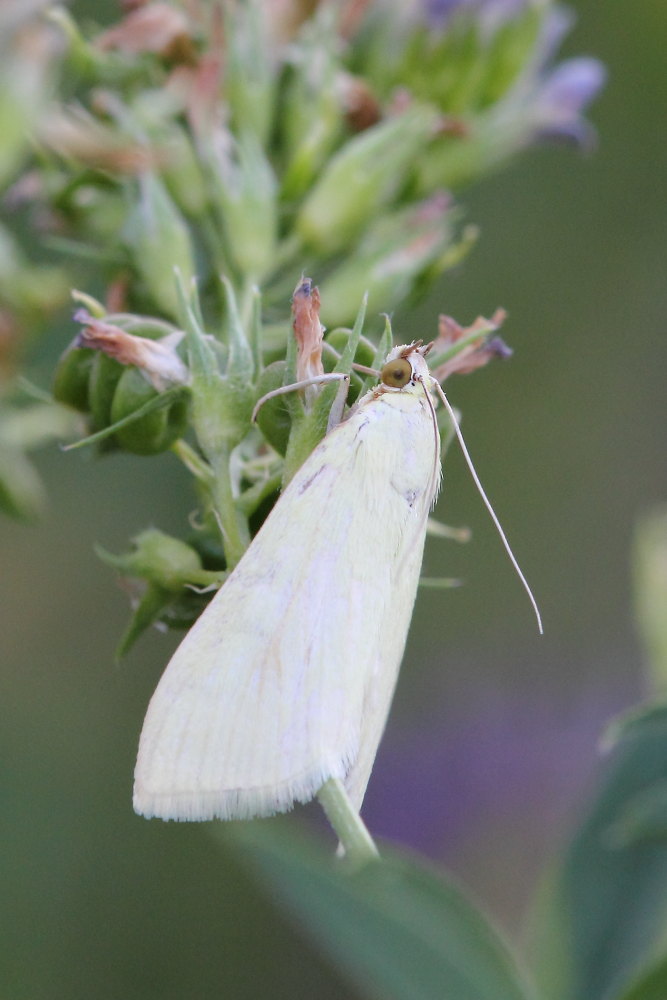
x,y
303,384
436,433
365,370
487,502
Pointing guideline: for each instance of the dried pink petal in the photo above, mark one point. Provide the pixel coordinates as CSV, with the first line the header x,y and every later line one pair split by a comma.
x,y
307,329
157,359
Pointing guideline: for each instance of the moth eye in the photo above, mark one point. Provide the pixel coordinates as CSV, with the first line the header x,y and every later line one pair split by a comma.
x,y
396,373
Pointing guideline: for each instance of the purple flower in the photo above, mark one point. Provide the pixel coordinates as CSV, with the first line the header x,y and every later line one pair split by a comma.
x,y
437,12
566,91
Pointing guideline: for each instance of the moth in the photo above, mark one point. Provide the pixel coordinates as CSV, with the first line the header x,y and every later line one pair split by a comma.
x,y
286,679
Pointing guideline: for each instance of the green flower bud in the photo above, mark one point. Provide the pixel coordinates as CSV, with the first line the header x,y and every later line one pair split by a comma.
x,y
246,191
154,432
169,567
161,559
249,71
222,402
395,251
362,177
312,115
183,174
158,241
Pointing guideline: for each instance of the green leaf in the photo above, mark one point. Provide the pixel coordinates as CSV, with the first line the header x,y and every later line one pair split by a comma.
x,y
396,928
604,912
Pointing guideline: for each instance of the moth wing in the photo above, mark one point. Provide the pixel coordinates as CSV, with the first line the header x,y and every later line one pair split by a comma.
x,y
286,678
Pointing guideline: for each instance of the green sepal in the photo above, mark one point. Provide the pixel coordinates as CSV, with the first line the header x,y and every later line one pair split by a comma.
x,y
156,430
152,602
384,346
240,361
169,567
221,403
365,352
157,402
361,178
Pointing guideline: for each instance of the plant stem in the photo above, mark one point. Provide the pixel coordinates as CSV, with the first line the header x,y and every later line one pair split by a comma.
x,y
193,462
233,525
354,838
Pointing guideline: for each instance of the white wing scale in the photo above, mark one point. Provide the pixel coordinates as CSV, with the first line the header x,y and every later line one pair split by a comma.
x,y
286,679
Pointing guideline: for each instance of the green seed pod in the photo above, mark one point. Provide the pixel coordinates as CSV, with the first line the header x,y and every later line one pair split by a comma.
x,y
154,432
105,374
71,379
273,418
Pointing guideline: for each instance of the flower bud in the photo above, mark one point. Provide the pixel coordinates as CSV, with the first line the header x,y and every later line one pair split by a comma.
x,y
154,27
312,112
161,559
361,178
308,331
157,359
182,173
169,568
250,76
461,350
394,252
158,241
222,401
247,194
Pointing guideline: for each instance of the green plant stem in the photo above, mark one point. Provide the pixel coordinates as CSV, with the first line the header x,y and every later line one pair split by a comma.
x,y
233,525
192,461
354,838
250,500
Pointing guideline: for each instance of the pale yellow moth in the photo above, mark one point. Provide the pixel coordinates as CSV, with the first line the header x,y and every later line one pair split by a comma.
x,y
286,679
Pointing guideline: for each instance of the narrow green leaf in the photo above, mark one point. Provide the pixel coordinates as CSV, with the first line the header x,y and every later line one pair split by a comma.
x,y
396,928
608,896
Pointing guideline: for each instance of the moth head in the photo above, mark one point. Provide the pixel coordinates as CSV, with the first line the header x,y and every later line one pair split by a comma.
x,y
405,366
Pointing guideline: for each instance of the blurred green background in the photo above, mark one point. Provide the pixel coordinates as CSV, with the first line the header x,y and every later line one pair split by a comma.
x,y
492,740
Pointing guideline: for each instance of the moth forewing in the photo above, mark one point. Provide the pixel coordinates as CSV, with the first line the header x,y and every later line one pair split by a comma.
x,y
286,679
